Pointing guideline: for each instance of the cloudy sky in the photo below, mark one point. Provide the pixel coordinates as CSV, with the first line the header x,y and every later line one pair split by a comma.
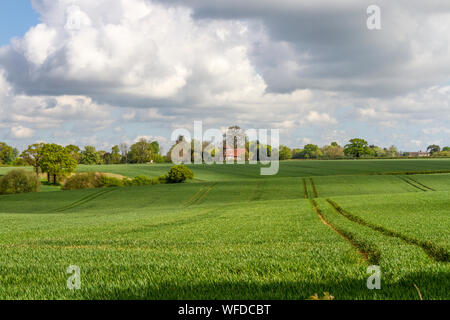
x,y
109,71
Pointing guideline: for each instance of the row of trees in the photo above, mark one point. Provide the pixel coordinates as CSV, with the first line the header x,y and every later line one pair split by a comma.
x,y
436,150
142,151
58,160
356,148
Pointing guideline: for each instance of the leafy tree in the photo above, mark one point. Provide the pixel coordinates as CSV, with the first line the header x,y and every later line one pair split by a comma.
x,y
74,152
33,156
434,149
56,161
446,149
115,155
155,147
180,173
90,156
311,151
7,153
297,153
378,152
333,151
393,152
141,152
285,153
357,148
335,144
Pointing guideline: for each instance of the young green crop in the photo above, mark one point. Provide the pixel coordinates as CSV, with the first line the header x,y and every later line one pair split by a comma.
x,y
230,234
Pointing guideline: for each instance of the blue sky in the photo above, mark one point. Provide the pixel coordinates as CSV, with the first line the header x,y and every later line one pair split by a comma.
x,y
16,17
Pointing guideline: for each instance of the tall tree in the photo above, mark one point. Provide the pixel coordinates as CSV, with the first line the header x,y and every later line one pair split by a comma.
x,y
33,156
115,155
7,153
141,151
90,156
311,151
434,148
56,161
74,152
333,151
357,148
285,153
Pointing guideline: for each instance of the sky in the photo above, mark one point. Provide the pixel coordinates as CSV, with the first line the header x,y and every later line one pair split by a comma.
x,y
111,71
16,18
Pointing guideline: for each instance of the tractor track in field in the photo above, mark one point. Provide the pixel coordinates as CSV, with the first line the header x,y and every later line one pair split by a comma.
x,y
367,255
420,184
432,250
84,200
313,185
411,183
305,189
363,249
199,195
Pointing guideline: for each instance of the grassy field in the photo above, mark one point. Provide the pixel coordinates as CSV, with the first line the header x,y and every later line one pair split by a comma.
x,y
232,234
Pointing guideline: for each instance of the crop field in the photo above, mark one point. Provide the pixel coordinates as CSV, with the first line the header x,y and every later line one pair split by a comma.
x,y
232,234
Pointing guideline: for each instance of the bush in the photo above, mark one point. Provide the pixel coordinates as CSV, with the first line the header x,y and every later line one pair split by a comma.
x,y
179,174
105,181
142,181
82,181
19,181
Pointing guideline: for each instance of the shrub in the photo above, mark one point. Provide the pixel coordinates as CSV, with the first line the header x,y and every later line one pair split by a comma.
x,y
179,174
82,181
19,181
127,182
141,181
105,181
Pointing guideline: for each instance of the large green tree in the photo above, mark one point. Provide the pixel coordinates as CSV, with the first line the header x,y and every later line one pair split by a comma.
x,y
116,157
74,152
141,152
56,161
434,148
285,153
333,151
311,151
32,156
7,153
357,148
90,156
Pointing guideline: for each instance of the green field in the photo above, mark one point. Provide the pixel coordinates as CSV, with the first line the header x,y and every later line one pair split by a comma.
x,y
233,234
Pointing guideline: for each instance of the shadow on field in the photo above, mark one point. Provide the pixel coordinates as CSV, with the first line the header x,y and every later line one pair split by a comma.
x,y
432,286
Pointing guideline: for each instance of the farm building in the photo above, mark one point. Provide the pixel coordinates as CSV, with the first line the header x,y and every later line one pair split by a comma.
x,y
419,154
234,154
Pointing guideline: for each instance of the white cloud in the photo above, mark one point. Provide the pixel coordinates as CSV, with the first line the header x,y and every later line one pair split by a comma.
x,y
22,132
91,67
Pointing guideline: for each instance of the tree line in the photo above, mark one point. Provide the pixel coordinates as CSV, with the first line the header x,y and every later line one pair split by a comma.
x,y
59,161
356,148
56,160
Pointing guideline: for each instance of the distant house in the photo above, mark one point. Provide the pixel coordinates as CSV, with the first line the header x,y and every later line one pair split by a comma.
x,y
234,154
419,154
